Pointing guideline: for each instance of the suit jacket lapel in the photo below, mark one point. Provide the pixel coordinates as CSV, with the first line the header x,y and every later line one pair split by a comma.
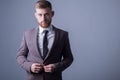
x,y
35,41
54,43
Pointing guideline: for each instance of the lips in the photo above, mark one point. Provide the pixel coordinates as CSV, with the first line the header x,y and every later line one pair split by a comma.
x,y
44,22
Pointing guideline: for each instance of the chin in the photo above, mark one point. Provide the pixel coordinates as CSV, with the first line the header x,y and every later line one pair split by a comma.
x,y
44,26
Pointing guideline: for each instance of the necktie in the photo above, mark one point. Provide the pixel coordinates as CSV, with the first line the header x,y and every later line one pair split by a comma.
x,y
45,44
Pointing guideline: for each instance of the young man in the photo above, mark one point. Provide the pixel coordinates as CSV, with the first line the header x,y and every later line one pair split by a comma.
x,y
45,51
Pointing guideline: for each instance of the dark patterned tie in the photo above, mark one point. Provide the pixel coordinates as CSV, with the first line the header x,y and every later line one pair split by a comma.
x,y
45,44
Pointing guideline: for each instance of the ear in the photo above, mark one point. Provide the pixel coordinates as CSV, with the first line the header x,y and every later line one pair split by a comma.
x,y
35,15
53,13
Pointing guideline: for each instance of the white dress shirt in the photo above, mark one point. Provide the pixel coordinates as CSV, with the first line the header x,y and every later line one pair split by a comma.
x,y
50,36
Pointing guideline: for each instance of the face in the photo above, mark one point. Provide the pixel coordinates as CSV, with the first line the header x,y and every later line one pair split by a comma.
x,y
44,16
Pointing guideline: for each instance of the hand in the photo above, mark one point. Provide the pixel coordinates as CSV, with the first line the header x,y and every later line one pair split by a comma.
x,y
49,68
36,67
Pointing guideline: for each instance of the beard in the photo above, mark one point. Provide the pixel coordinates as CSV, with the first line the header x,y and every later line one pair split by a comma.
x,y
45,24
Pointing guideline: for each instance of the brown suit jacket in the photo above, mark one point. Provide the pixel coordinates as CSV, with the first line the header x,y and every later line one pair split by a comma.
x,y
60,54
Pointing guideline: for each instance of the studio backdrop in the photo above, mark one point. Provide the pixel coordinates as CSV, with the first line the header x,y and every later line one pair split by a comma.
x,y
94,32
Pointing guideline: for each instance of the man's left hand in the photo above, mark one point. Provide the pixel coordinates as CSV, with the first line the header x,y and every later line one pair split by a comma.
x,y
49,68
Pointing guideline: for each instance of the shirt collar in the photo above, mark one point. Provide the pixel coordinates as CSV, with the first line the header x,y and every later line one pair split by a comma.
x,y
42,29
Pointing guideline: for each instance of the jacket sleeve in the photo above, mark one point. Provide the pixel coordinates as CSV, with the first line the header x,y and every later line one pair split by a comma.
x,y
67,56
22,55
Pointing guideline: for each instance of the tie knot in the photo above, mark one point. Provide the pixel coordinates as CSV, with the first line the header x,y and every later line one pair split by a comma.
x,y
45,31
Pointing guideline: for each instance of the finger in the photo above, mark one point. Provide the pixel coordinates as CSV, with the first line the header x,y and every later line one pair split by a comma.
x,y
47,66
38,68
48,70
37,64
36,71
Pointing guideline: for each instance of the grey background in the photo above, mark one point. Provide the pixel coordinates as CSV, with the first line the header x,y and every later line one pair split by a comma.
x,y
94,31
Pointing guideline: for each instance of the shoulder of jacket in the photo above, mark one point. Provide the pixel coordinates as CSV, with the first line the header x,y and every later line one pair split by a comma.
x,y
61,30
30,30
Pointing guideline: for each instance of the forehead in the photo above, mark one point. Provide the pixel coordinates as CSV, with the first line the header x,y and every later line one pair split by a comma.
x,y
43,10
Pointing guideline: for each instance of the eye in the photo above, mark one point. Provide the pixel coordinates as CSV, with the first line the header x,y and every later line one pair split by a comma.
x,y
40,14
47,14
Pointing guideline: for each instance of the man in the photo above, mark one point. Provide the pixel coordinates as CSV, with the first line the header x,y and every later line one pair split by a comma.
x,y
45,51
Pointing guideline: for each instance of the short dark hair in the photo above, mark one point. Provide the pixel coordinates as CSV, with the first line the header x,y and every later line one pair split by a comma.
x,y
43,4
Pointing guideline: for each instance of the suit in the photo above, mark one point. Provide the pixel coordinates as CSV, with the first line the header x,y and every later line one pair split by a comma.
x,y
60,54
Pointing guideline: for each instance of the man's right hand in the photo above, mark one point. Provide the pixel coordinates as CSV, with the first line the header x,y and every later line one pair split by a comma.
x,y
36,67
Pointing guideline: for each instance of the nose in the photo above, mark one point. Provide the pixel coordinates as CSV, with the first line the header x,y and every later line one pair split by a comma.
x,y
43,18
